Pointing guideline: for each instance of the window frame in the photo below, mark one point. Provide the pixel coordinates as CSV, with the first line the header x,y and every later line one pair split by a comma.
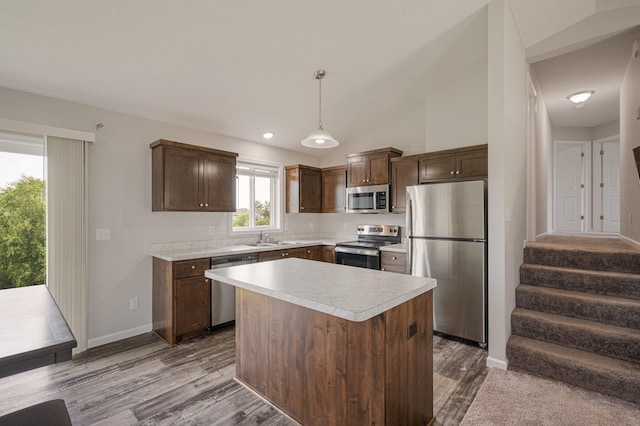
x,y
277,205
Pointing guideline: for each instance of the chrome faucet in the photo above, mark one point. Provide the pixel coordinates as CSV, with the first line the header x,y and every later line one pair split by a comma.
x,y
263,237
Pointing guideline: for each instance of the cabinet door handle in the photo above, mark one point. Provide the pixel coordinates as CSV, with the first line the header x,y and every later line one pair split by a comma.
x,y
301,207
193,266
382,269
206,280
206,205
393,207
394,258
452,172
364,180
457,172
201,204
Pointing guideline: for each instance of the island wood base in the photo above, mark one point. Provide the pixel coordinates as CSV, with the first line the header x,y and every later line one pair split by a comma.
x,y
320,369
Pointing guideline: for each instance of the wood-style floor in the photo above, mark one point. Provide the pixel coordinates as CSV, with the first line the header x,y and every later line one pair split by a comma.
x,y
143,381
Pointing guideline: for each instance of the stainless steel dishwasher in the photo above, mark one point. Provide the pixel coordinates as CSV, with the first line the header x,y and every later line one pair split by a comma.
x,y
223,296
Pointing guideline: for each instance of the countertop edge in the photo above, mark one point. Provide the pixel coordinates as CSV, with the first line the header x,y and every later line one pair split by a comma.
x,y
395,248
189,254
355,316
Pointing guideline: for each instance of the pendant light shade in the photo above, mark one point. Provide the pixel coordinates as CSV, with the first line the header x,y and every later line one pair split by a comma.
x,y
320,138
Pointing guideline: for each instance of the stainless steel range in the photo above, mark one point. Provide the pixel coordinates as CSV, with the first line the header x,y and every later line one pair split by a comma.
x,y
365,252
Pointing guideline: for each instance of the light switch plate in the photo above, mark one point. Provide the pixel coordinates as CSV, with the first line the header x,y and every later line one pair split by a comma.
x,y
103,234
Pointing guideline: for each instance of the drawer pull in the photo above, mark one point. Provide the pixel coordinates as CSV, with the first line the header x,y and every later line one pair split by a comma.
x,y
193,266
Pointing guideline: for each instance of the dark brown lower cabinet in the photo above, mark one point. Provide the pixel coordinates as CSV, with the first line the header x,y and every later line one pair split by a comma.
x,y
181,298
329,254
313,253
393,262
321,369
193,305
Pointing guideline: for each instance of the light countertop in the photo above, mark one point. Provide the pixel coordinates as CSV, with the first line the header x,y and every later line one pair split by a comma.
x,y
355,294
396,248
196,253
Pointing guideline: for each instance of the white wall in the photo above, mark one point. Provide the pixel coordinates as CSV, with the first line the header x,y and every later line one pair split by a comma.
x,y
543,164
572,133
404,131
456,109
507,117
629,139
606,130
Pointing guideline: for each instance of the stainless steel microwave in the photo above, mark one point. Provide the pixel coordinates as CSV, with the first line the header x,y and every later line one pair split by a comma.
x,y
368,199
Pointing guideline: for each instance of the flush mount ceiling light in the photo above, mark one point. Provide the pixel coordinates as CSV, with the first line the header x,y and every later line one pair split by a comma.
x,y
580,97
267,135
320,138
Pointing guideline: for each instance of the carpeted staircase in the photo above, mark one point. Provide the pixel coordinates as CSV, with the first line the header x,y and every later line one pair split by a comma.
x,y
577,316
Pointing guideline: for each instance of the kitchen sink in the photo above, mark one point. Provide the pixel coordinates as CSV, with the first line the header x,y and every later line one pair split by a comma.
x,y
262,244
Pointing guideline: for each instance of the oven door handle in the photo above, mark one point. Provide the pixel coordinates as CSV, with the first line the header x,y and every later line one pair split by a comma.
x,y
364,252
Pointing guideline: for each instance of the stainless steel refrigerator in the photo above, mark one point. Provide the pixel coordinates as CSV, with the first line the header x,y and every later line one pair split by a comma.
x,y
447,240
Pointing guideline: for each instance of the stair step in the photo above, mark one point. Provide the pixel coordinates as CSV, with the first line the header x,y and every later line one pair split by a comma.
x,y
607,340
626,261
595,282
610,376
605,309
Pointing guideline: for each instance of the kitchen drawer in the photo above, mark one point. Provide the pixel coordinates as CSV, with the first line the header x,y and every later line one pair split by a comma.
x,y
393,262
191,268
299,252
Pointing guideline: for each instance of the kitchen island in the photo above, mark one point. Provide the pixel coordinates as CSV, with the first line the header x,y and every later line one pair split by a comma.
x,y
334,344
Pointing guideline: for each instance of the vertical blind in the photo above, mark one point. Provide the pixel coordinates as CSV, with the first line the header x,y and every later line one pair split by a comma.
x,y
67,231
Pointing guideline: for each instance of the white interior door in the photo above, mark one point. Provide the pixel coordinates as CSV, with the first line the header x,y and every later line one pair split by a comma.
x,y
610,188
570,186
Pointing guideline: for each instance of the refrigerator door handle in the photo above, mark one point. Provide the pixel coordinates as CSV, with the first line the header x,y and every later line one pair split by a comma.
x,y
409,232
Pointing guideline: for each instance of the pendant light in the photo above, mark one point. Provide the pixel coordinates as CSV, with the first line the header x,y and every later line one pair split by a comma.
x,y
320,138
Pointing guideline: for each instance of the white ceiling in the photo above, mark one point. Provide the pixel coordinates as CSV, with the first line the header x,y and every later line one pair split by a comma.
x,y
600,68
244,67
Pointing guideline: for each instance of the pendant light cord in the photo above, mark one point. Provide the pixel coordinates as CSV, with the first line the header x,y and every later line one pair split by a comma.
x,y
320,103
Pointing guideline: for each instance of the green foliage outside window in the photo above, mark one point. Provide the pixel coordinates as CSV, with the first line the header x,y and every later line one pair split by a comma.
x,y
262,212
22,233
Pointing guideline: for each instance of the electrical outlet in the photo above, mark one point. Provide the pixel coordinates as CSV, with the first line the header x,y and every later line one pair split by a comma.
x,y
103,234
133,303
223,229
311,226
212,230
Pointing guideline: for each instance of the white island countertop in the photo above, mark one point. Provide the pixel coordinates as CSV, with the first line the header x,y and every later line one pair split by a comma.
x,y
355,294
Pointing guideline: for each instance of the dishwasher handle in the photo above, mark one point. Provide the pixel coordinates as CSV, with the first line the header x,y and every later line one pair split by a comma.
x,y
223,262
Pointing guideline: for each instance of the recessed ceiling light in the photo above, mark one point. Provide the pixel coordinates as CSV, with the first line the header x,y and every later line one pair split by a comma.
x,y
580,97
267,135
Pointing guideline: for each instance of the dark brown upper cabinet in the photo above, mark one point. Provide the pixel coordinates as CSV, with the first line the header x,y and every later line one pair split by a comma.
x,y
192,178
404,172
370,167
461,163
303,189
334,189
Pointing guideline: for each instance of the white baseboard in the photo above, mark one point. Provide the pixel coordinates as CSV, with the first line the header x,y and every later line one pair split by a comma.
x,y
544,234
114,337
497,363
630,241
